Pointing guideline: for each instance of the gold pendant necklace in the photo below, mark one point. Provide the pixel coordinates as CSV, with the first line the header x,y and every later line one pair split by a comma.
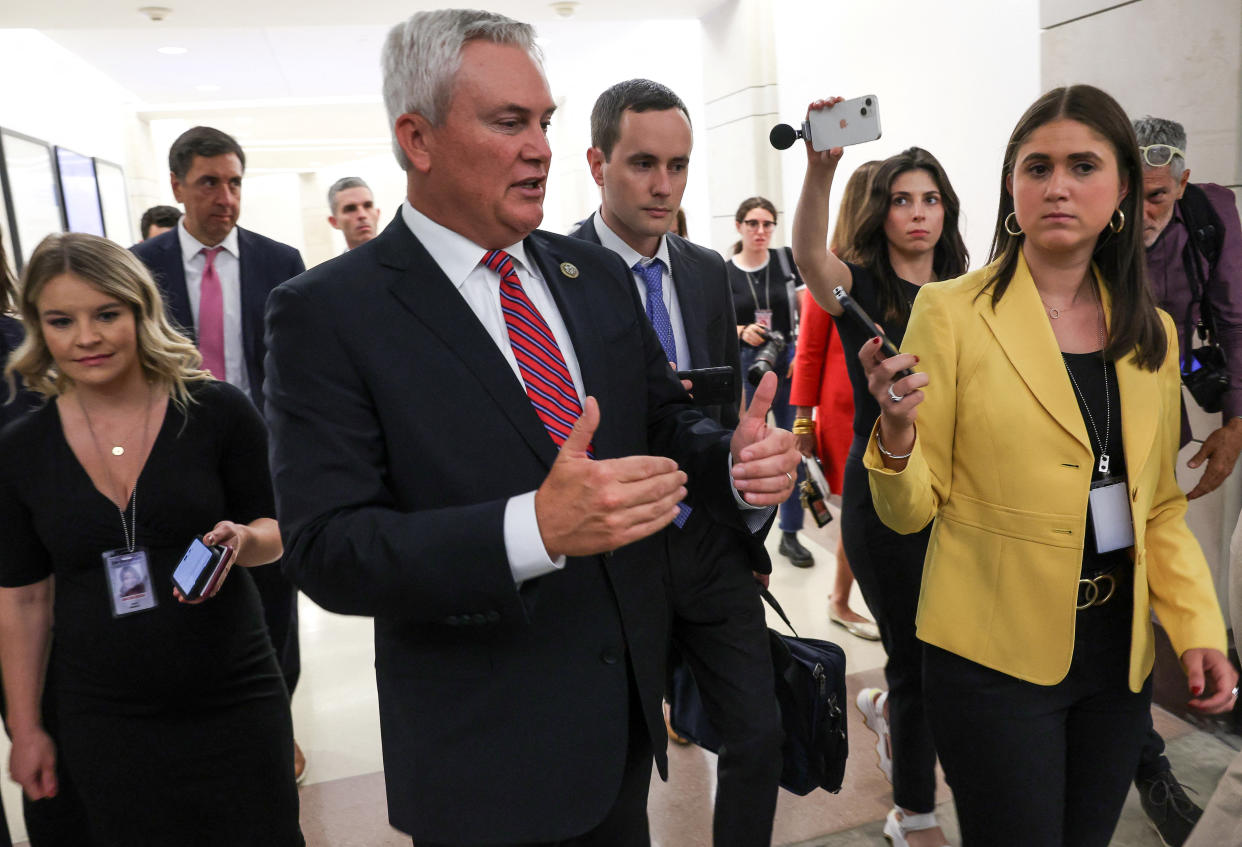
x,y
118,450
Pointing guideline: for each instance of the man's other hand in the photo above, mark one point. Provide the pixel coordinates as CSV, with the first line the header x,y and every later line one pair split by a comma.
x,y
765,459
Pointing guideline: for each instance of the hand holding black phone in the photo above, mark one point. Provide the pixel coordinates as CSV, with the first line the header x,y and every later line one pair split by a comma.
x,y
863,320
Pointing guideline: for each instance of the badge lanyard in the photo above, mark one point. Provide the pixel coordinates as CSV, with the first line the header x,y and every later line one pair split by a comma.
x,y
1112,522
766,312
127,571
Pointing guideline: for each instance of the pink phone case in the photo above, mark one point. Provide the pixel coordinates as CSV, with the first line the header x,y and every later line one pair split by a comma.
x,y
218,574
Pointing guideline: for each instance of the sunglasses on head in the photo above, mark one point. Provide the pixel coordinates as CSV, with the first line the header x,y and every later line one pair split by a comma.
x,y
755,223
1159,155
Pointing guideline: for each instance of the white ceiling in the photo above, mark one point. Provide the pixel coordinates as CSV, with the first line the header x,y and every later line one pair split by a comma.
x,y
297,81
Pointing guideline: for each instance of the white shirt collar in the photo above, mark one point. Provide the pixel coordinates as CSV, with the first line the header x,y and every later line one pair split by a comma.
x,y
456,255
628,254
191,246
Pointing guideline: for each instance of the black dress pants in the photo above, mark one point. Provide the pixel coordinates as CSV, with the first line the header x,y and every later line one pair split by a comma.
x,y
889,571
625,825
720,631
1042,765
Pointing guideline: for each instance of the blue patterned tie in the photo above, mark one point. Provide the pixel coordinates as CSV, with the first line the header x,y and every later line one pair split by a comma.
x,y
652,274
653,277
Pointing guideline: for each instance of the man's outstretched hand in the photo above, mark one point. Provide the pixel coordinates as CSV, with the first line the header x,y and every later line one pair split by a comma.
x,y
765,459
586,506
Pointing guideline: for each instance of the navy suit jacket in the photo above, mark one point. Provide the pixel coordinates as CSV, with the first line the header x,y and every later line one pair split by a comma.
x,y
264,264
399,432
706,304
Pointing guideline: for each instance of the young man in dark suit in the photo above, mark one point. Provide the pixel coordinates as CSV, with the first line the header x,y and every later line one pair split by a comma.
x,y
471,425
640,156
215,278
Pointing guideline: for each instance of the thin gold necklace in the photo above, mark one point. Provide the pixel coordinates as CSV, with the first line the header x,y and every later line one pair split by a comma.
x,y
118,450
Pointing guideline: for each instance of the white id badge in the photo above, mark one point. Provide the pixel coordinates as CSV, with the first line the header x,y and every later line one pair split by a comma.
x,y
763,317
129,581
1110,515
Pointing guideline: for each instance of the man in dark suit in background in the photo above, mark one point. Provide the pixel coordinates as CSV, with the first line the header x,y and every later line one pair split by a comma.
x,y
215,278
470,420
640,157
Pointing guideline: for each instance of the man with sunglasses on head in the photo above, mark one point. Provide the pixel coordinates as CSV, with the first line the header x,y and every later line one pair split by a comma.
x,y
1194,260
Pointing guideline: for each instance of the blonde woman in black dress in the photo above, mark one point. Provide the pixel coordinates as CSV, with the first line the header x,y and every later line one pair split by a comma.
x,y
173,716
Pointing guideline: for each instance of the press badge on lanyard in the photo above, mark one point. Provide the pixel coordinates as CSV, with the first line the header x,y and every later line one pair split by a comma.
x,y
763,317
1108,506
1110,514
126,570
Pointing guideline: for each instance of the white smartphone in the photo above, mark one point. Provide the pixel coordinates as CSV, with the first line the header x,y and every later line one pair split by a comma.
x,y
849,122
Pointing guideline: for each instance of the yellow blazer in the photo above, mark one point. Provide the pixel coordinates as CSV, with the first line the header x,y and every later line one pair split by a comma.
x,y
1003,463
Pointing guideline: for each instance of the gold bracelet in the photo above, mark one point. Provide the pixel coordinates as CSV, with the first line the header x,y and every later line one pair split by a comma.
x,y
803,426
880,444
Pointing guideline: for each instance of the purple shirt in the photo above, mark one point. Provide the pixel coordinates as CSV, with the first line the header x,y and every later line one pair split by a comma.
x,y
1224,289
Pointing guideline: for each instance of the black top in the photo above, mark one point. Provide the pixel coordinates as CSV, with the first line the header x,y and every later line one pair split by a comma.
x,y
202,469
1088,375
11,335
866,410
764,288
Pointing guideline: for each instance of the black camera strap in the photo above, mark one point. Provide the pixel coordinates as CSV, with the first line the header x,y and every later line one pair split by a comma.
x,y
1205,236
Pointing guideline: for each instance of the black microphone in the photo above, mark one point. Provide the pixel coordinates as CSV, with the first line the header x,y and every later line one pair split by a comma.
x,y
783,136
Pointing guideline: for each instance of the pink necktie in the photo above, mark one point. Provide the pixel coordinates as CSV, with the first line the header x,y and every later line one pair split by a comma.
x,y
211,316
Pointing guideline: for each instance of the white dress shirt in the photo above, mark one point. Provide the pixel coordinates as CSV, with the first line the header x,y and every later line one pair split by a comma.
x,y
462,262
228,268
631,257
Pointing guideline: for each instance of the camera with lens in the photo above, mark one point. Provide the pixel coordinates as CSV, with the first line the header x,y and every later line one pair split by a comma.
x,y
766,355
1206,378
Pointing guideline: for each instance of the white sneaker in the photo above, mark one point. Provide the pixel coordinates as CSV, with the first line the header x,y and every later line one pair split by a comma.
x,y
871,703
897,825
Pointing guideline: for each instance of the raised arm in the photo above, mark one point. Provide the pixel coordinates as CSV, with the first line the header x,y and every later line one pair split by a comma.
x,y
821,270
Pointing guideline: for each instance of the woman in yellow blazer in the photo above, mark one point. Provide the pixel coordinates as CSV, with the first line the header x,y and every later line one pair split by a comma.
x,y
1047,381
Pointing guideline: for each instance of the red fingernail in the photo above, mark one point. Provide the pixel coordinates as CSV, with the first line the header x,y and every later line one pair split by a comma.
x,y
875,340
1196,690
916,360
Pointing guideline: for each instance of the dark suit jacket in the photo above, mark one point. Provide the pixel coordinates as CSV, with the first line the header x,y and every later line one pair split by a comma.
x,y
706,304
264,264
399,432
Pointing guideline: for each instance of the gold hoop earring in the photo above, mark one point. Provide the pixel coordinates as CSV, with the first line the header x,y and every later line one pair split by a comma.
x,y
1015,223
1121,223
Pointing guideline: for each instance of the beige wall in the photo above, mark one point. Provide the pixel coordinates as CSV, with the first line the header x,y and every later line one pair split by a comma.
x,y
741,94
1178,59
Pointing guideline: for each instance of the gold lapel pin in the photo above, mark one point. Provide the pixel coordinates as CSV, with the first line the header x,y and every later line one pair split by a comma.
x,y
569,269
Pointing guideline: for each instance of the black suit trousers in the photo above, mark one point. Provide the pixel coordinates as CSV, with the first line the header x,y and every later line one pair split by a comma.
x,y
625,825
720,630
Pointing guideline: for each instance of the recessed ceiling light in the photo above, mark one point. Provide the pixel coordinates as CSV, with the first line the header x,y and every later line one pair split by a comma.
x,y
207,87
172,51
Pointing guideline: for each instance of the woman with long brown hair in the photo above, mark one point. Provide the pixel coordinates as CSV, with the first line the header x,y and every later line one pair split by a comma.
x,y
823,399
907,236
1048,404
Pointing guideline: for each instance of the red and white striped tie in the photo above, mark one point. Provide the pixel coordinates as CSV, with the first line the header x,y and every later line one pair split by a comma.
x,y
544,373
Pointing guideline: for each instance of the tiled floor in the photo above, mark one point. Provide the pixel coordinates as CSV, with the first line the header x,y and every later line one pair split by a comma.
x,y
337,724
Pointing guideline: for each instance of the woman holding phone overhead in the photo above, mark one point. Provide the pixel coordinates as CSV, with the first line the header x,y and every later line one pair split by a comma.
x,y
1040,434
137,451
907,236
